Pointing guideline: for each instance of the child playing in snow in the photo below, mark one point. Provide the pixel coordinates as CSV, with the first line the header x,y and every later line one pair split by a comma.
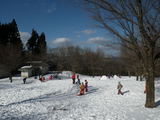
x,y
82,87
10,78
42,79
86,86
119,87
78,80
24,80
73,78
50,77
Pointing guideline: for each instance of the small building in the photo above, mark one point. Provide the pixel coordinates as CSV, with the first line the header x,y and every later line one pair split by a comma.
x,y
26,71
34,68
39,67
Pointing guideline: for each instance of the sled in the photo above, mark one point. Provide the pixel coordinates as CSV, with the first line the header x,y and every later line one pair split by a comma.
x,y
79,94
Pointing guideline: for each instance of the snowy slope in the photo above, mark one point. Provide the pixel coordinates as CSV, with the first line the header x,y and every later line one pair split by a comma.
x,y
57,100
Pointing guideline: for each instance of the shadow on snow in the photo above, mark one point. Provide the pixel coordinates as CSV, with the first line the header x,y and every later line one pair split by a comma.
x,y
54,96
158,103
91,89
45,98
125,92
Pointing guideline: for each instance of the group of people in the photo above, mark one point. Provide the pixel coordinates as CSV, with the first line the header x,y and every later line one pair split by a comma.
x,y
43,79
83,87
23,78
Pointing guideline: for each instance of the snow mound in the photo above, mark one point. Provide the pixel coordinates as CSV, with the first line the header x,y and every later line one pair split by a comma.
x,y
67,73
104,77
115,77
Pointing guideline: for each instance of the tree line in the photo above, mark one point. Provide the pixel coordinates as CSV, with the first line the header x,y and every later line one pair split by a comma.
x,y
14,53
85,61
89,62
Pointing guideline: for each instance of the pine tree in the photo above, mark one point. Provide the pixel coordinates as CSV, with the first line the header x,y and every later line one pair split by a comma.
x,y
41,44
14,35
32,42
10,47
9,35
4,31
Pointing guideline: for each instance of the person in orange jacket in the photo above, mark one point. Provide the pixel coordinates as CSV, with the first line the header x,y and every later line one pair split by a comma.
x,y
82,88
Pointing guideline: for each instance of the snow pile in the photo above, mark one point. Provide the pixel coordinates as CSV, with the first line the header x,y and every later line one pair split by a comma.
x,y
66,74
104,77
115,77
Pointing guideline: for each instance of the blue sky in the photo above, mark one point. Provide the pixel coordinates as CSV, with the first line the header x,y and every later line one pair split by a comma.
x,y
63,21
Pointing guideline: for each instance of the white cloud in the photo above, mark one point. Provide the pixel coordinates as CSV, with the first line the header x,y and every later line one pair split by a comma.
x,y
24,36
97,40
87,32
51,7
62,40
51,10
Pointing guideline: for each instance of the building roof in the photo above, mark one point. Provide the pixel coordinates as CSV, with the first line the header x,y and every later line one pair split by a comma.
x,y
26,67
34,62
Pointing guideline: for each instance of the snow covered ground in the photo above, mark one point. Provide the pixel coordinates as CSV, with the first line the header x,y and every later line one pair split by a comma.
x,y
57,100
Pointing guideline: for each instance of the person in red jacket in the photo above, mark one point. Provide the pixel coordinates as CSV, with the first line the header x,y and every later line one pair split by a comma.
x,y
73,78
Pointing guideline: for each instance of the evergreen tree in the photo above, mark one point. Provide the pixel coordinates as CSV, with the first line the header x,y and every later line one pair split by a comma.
x,y
14,35
4,33
10,47
32,42
9,35
41,44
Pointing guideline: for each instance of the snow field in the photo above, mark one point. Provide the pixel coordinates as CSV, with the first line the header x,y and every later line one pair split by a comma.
x,y
57,100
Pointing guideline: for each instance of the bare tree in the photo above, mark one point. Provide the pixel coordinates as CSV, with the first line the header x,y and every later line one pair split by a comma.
x,y
134,65
136,23
74,58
